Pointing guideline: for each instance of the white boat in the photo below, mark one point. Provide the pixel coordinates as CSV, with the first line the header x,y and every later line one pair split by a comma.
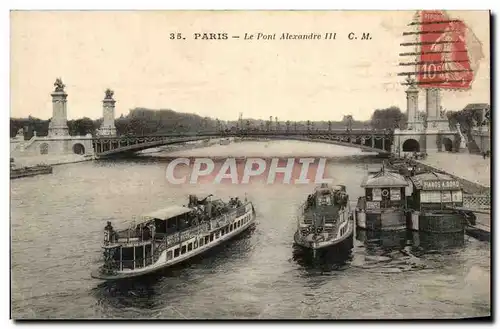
x,y
325,219
172,235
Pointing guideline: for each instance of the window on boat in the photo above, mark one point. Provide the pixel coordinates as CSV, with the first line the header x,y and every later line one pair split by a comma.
x,y
176,252
202,242
169,255
190,246
128,257
206,239
211,237
183,250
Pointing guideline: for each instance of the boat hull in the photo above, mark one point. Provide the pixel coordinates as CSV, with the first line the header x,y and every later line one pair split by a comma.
x,y
436,222
30,171
162,263
381,221
345,241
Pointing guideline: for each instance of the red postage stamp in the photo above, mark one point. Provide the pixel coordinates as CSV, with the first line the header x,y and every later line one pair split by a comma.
x,y
445,58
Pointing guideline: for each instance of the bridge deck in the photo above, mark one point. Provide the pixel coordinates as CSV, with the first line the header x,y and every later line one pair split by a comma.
x,y
373,141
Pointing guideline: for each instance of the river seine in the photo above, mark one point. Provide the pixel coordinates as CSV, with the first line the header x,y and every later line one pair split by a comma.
x,y
57,226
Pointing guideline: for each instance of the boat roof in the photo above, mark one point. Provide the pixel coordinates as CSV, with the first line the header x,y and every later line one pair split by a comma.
x,y
384,179
168,212
433,176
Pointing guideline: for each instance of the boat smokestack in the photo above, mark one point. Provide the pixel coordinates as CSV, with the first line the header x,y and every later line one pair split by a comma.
x,y
208,206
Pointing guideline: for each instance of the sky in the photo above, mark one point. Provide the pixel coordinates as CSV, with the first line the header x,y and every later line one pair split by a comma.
x,y
131,53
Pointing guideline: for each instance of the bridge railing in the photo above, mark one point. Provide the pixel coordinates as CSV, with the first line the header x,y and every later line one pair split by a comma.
x,y
255,133
477,201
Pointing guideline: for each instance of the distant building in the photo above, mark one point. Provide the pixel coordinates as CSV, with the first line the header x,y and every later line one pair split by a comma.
x,y
485,108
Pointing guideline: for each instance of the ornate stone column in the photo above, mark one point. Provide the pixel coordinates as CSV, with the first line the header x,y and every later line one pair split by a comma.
x,y
412,105
108,115
58,125
435,114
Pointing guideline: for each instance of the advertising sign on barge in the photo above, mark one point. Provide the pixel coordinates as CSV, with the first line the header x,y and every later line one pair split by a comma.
x,y
435,195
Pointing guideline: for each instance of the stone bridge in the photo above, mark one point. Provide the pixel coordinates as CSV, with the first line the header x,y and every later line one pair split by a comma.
x,y
379,141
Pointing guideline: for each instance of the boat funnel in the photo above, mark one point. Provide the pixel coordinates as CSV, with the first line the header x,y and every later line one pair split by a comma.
x,y
208,206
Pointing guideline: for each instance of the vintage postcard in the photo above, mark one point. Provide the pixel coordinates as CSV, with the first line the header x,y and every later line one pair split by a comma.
x,y
250,165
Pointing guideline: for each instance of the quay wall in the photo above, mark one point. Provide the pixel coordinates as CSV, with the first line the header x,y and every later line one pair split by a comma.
x,y
482,139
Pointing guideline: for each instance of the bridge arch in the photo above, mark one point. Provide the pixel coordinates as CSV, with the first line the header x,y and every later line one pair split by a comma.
x,y
447,144
380,140
78,148
44,148
411,145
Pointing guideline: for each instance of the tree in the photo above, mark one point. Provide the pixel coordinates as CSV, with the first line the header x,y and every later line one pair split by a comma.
x,y
81,127
348,120
389,118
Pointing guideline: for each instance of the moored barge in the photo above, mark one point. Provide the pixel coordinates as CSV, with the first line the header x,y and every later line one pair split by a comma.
x,y
29,171
383,207
172,235
434,202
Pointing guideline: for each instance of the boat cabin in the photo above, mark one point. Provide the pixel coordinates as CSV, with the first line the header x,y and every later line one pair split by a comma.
x,y
384,189
435,195
135,247
327,196
435,191
383,205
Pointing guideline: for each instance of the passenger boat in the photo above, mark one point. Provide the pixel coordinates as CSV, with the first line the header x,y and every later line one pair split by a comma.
x,y
325,219
384,205
172,235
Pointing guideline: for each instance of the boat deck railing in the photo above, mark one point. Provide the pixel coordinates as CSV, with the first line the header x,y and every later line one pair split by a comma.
x,y
203,228
135,237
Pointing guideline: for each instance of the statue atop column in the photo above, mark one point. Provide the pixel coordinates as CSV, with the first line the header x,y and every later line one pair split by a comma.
x,y
109,94
59,85
58,125
409,80
108,114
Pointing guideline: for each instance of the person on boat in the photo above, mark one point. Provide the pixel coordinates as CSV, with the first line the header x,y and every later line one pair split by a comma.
x,y
110,230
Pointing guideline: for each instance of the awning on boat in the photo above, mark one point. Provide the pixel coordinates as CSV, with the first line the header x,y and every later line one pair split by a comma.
x,y
168,212
384,179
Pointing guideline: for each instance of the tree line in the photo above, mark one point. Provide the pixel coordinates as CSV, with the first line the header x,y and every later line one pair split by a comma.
x,y
143,121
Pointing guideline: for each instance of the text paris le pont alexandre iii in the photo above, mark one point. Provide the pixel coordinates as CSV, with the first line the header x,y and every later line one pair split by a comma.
x,y
260,36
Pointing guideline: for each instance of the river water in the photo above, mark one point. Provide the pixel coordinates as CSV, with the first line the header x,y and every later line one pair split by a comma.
x,y
57,223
